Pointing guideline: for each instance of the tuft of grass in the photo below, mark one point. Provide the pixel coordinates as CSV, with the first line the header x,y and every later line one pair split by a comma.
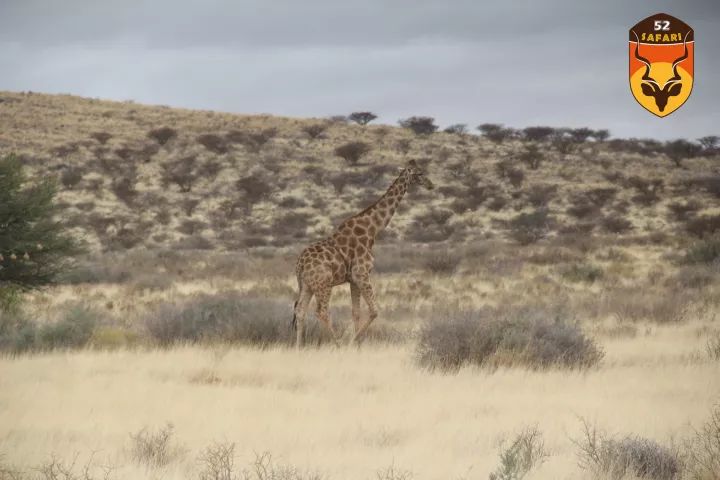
x,y
713,347
525,452
582,272
443,263
702,461
494,338
705,251
73,330
218,462
632,455
155,448
266,468
394,473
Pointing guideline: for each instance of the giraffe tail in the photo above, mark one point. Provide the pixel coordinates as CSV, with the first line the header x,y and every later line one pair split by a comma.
x,y
293,323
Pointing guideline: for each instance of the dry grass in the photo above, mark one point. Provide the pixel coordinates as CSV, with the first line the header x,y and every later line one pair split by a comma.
x,y
346,413
194,220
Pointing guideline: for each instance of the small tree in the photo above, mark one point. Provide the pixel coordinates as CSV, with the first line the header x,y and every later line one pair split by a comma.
x,y
162,135
532,156
419,125
601,135
580,135
457,129
681,149
314,130
496,133
709,143
352,152
362,118
537,134
33,247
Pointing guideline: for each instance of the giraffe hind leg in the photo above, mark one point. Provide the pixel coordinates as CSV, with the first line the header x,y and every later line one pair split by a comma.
x,y
323,303
299,315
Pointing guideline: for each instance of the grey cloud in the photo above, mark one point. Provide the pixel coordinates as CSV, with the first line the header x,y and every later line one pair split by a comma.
x,y
558,62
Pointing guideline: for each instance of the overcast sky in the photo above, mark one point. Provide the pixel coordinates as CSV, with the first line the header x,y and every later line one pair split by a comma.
x,y
522,62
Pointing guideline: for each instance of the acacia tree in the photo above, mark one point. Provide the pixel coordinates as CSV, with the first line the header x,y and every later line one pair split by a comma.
x,y
419,125
362,118
33,247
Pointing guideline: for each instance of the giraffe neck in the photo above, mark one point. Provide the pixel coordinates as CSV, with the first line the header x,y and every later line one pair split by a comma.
x,y
382,211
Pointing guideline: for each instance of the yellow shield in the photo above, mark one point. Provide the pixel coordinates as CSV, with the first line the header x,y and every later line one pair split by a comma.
x,y
662,54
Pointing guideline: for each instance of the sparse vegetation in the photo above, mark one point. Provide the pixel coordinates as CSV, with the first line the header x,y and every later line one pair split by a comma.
x,y
632,455
362,118
419,125
523,453
496,338
352,152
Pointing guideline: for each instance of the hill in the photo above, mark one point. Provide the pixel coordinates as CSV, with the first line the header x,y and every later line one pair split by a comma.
x,y
159,177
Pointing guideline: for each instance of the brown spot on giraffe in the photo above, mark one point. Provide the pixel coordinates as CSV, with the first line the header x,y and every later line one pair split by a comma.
x,y
347,258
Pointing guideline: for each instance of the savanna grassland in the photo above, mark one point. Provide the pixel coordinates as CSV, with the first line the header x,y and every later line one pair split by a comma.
x,y
549,310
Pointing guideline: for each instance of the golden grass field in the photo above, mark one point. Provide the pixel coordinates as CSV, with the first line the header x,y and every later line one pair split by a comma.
x,y
347,413
614,260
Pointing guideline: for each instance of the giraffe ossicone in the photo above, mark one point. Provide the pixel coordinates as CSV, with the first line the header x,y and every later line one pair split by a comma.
x,y
346,257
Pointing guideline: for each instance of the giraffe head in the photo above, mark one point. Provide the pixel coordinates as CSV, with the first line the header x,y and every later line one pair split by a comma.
x,y
417,175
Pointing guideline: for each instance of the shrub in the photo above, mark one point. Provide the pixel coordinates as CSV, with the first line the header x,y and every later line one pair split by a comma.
x,y
314,130
443,263
419,125
582,272
580,135
253,141
254,188
218,462
101,137
601,135
155,449
713,350
352,152
162,135
541,195
362,118
525,452
527,228
124,189
537,134
562,140
679,150
214,143
632,455
73,330
616,224
492,338
531,155
33,247
457,129
17,333
181,172
226,317
71,176
705,251
703,226
710,183
495,132
709,143
703,450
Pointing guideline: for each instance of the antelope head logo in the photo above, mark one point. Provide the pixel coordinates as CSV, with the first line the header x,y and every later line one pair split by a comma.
x,y
651,88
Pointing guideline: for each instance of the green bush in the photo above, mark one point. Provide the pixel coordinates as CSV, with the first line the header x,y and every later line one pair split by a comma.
x,y
525,452
493,338
33,248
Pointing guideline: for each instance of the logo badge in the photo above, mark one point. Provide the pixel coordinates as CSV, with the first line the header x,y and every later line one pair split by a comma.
x,y
662,54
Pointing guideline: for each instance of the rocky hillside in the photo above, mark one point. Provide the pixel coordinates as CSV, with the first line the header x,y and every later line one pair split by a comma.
x,y
134,175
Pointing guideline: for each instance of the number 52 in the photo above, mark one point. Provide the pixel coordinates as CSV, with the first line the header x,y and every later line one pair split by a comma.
x,y
663,25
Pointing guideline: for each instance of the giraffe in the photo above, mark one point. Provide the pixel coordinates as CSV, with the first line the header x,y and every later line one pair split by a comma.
x,y
346,257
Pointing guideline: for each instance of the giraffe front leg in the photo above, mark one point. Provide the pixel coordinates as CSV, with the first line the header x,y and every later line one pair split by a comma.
x,y
355,296
368,295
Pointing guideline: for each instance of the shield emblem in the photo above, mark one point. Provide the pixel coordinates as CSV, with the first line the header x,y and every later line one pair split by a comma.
x,y
662,54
